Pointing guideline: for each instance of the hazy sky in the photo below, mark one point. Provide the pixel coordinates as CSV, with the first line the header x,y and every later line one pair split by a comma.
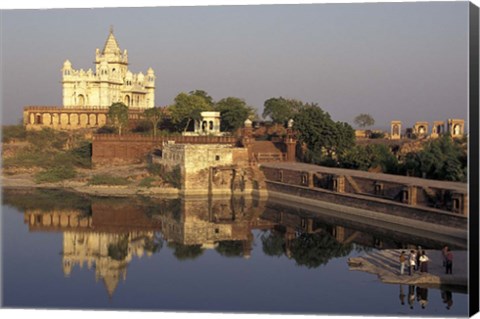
x,y
406,61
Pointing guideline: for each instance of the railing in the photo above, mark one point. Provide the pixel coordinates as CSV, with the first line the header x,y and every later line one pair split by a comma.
x,y
47,108
270,157
159,139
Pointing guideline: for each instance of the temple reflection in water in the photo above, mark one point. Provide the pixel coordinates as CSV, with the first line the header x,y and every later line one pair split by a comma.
x,y
106,234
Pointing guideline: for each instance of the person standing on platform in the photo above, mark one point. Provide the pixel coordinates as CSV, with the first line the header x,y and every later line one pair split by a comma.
x,y
402,259
412,259
449,266
423,262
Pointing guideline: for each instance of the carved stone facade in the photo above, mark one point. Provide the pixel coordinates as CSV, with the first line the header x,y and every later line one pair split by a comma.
x,y
456,127
111,81
208,125
438,128
421,128
395,130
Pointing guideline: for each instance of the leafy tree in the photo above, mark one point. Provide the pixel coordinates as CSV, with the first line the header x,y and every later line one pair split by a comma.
x,y
370,156
324,138
187,108
280,110
233,112
154,115
204,95
118,116
441,159
364,120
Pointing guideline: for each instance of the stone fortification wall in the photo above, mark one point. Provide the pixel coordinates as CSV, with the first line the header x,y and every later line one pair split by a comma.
x,y
398,195
134,148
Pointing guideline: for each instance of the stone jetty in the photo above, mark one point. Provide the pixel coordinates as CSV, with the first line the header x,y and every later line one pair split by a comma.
x,y
385,264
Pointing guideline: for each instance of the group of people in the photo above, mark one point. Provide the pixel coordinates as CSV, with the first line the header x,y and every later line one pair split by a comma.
x,y
416,261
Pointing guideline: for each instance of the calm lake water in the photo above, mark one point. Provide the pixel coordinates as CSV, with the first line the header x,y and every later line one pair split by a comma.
x,y
62,250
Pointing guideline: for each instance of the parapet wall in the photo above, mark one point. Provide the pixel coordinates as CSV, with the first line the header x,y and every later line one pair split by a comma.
x,y
428,200
134,148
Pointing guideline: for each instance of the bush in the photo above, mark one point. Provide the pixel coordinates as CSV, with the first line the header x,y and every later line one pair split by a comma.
x,y
81,156
55,174
171,176
10,132
105,179
375,135
47,138
146,182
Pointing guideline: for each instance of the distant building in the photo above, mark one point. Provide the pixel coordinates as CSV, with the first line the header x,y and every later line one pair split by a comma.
x,y
438,128
87,95
395,130
456,127
208,125
421,129
110,82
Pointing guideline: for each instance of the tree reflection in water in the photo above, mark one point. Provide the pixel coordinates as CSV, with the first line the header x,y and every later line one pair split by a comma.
x,y
185,252
314,250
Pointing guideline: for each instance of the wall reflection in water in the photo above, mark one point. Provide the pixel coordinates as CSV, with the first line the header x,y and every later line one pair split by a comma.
x,y
106,234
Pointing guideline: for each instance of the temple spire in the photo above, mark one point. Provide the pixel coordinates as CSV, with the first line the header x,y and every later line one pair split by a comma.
x,y
111,45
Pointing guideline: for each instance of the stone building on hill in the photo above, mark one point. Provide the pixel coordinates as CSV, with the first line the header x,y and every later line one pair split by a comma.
x,y
110,82
87,95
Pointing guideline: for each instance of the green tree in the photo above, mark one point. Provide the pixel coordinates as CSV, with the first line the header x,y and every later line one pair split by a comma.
x,y
187,108
364,120
118,116
441,159
203,94
370,156
233,112
324,138
280,110
154,115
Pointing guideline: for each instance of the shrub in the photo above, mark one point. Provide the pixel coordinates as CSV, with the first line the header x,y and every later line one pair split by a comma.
x,y
146,182
171,176
375,135
105,179
55,174
47,138
10,132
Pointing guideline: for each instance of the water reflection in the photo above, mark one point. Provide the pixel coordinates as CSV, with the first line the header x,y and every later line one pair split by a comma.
x,y
106,234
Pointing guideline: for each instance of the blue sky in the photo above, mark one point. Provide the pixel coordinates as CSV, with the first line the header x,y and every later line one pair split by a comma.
x,y
405,61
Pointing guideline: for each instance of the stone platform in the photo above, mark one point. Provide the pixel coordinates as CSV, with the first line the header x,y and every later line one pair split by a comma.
x,y
385,264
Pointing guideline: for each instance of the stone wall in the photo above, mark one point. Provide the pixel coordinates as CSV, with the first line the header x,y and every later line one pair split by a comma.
x,y
398,195
432,194
108,149
59,118
209,168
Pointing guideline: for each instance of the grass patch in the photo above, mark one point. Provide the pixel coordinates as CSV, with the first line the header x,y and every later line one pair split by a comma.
x,y
55,174
146,182
105,179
